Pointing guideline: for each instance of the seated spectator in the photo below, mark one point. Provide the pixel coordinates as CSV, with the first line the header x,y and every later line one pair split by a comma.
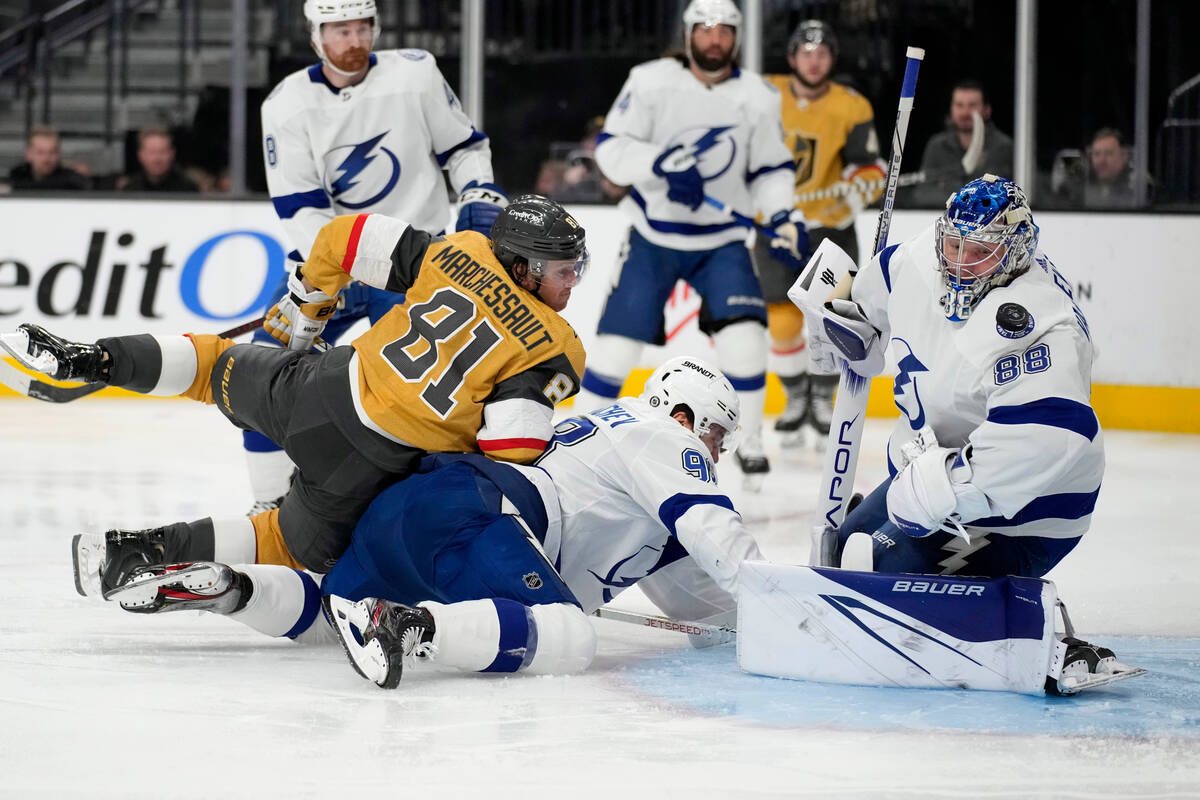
x,y
950,160
158,171
1108,180
43,169
582,181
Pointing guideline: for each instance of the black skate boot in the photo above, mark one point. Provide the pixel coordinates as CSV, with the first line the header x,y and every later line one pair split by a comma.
x,y
201,586
379,636
796,409
752,460
105,561
61,359
820,407
1082,662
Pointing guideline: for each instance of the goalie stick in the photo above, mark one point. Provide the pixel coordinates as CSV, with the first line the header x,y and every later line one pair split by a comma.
x,y
703,634
23,383
845,430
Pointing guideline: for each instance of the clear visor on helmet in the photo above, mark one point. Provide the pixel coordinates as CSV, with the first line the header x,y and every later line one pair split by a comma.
x,y
716,437
966,258
560,273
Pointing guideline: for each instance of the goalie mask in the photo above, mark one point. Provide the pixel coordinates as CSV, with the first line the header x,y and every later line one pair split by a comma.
x,y
318,12
985,239
711,13
540,233
707,394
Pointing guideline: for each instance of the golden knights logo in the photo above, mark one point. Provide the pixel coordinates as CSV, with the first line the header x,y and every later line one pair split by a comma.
x,y
804,153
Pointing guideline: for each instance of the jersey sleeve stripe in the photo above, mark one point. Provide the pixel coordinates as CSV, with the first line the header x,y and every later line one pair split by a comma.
x,y
602,136
476,136
1056,412
1069,505
352,243
758,173
677,505
514,443
288,205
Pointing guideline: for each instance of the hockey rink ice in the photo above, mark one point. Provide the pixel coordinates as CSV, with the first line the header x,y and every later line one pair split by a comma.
x,y
98,703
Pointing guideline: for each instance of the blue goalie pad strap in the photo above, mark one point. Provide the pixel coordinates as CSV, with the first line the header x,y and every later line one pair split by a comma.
x,y
1056,412
677,505
970,609
312,606
518,637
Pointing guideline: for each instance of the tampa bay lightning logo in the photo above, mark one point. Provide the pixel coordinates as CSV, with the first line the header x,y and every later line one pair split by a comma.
x,y
363,174
714,149
908,399
614,580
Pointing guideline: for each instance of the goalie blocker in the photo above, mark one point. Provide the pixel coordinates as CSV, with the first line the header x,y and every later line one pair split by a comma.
x,y
920,631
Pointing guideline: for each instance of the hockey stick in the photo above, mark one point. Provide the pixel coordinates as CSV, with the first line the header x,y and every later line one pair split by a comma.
x,y
739,217
845,430
843,188
21,383
703,634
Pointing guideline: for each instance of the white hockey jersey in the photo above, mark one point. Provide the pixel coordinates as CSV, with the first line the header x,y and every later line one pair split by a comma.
x,y
733,129
637,492
1018,394
378,146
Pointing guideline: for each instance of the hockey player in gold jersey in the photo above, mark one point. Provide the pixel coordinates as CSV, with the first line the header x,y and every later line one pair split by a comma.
x,y
830,130
474,360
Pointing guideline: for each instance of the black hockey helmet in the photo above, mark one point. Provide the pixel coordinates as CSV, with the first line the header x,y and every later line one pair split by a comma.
x,y
814,32
538,230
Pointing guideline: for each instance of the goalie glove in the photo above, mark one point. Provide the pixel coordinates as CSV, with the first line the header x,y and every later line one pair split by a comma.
x,y
478,206
790,245
685,184
856,339
300,315
935,488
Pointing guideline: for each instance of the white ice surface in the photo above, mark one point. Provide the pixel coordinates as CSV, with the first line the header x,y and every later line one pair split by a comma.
x,y
99,703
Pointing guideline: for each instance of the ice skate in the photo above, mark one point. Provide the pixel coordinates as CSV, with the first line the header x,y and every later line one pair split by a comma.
x,y
1086,666
102,562
202,586
380,636
820,407
261,506
42,351
752,459
791,422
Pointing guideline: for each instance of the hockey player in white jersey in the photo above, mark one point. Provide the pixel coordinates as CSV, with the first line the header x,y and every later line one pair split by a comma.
x,y
683,128
505,561
997,456
363,131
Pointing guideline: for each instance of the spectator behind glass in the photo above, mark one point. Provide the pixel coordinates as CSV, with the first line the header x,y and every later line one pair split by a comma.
x,y
43,169
950,160
1109,181
581,179
158,171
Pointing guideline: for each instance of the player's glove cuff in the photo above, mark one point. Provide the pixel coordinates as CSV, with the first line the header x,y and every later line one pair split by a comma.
x,y
685,185
300,315
478,206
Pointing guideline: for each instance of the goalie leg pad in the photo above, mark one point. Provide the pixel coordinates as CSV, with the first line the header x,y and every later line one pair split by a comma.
x,y
874,629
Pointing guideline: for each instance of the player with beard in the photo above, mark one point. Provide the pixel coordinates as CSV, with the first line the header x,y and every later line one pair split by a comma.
x,y
830,130
684,127
363,131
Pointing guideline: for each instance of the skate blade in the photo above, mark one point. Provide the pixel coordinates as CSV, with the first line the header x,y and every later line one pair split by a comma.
x,y
143,590
17,345
349,620
86,558
1119,672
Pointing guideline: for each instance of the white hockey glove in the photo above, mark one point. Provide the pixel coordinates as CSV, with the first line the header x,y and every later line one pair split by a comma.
x,y
858,341
300,315
933,489
925,440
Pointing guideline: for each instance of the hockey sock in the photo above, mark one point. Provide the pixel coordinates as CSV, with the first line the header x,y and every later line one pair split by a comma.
x,y
234,541
742,356
269,539
283,601
609,361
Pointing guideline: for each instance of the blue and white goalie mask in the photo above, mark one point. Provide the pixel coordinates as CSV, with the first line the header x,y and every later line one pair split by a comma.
x,y
706,392
986,238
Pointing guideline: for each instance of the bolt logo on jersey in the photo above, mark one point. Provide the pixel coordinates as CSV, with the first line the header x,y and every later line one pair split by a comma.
x,y
364,173
714,149
908,400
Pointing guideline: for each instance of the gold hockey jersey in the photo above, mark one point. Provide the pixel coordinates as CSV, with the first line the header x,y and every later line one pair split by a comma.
x,y
832,139
469,361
